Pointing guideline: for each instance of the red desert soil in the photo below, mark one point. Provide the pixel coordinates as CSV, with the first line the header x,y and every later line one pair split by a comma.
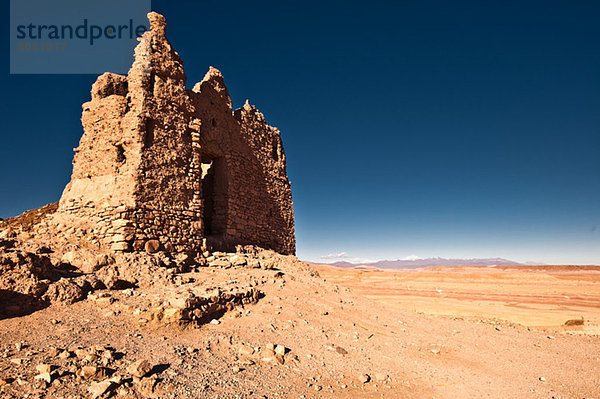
x,y
533,296
333,336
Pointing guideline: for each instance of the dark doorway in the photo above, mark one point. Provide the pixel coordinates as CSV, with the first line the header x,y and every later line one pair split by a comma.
x,y
214,195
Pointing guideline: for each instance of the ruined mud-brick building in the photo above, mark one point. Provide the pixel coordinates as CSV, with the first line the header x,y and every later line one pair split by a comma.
x,y
162,167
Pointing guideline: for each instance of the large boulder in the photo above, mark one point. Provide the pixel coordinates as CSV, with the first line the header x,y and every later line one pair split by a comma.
x,y
87,261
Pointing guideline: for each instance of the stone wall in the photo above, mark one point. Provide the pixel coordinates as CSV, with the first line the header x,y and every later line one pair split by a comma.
x,y
176,167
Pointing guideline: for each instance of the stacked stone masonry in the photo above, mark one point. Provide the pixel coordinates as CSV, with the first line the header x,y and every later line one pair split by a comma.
x,y
176,167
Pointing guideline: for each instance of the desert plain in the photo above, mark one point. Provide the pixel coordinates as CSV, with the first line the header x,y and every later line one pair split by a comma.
x,y
306,331
560,298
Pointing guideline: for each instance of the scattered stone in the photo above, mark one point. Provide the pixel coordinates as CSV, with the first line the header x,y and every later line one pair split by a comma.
x,y
80,353
90,358
105,301
64,291
215,321
53,352
97,389
139,368
245,350
92,373
280,350
43,368
341,350
44,377
146,387
269,355
364,378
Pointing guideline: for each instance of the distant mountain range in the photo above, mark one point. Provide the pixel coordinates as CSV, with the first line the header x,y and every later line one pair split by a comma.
x,y
429,262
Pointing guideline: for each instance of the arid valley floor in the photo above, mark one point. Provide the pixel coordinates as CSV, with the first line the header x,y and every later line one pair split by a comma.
x,y
532,296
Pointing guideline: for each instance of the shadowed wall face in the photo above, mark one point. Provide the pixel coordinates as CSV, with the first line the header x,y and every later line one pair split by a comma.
x,y
163,167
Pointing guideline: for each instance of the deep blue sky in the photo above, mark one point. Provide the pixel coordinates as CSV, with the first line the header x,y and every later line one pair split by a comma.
x,y
411,128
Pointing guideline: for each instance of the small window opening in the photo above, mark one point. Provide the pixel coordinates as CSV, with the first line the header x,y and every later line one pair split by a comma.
x,y
120,154
275,152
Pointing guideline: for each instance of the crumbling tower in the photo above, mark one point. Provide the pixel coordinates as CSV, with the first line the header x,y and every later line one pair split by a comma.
x,y
162,167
